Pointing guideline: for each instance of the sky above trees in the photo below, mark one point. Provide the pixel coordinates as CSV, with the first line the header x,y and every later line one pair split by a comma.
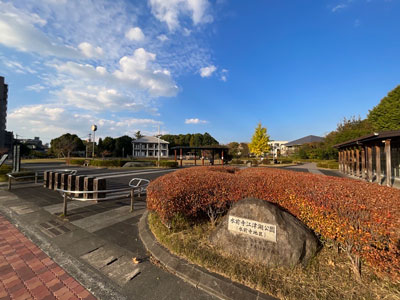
x,y
298,67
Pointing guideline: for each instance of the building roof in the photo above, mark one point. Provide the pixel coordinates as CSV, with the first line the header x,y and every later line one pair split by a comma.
x,y
373,137
305,140
150,139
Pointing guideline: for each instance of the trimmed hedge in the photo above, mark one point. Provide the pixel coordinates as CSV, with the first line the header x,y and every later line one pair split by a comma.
x,y
77,161
328,165
363,217
168,164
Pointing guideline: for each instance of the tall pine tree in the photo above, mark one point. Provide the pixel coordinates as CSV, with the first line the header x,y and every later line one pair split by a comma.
x,y
386,115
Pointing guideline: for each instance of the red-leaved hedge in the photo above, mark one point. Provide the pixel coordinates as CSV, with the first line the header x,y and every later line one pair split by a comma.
x,y
359,215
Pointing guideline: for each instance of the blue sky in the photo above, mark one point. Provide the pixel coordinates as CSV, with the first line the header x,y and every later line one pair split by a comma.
x,y
299,67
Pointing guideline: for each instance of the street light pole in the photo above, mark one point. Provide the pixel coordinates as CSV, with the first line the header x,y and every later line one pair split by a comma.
x,y
94,128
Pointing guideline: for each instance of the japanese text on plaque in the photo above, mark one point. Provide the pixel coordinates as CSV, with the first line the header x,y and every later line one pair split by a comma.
x,y
252,228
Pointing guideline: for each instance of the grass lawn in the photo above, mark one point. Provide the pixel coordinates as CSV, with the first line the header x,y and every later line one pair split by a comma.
x,y
328,276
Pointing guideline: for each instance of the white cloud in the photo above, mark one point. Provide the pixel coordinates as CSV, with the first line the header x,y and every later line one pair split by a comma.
x,y
339,7
35,87
16,66
195,121
138,69
18,31
207,71
89,51
169,11
162,37
49,121
224,72
135,34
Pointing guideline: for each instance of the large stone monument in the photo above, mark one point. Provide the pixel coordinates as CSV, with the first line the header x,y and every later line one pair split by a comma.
x,y
261,232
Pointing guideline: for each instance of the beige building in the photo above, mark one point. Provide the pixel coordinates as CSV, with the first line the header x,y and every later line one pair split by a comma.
x,y
277,147
149,146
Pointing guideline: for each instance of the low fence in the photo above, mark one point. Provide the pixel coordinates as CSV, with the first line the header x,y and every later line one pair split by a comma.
x,y
137,186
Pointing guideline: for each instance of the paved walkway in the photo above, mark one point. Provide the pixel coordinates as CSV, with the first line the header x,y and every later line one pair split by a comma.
x,y
26,272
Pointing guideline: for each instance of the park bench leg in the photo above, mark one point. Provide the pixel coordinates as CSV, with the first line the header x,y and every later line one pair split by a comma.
x,y
132,199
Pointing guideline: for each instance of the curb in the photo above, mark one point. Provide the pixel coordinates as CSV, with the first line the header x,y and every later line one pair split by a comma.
x,y
211,283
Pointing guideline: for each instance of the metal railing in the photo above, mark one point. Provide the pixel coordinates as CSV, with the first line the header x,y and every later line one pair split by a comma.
x,y
11,176
137,186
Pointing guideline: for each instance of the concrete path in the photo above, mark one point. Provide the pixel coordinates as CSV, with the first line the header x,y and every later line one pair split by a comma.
x,y
26,272
311,168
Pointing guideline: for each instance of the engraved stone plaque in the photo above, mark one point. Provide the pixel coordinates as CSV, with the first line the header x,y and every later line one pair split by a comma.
x,y
252,228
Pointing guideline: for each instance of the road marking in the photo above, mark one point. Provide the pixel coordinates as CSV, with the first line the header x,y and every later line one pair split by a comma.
x,y
106,219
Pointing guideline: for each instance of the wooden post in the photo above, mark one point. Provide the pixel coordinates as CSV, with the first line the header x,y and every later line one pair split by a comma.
x,y
345,162
64,181
46,179
132,200
79,185
358,162
202,157
363,163
222,157
378,163
57,181
181,158
99,184
71,182
341,161
65,205
369,168
87,187
51,181
353,163
195,161
349,162
175,154
388,163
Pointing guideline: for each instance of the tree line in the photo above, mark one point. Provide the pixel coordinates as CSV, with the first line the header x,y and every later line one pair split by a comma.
x,y
68,145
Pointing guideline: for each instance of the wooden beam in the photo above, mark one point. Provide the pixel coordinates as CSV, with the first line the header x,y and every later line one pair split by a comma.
x,y
358,162
378,164
369,166
388,163
353,163
348,162
363,164
340,160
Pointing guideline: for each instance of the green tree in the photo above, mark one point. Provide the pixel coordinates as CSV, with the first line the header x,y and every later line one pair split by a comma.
x,y
259,141
138,135
208,140
386,115
66,144
244,150
234,149
108,144
123,146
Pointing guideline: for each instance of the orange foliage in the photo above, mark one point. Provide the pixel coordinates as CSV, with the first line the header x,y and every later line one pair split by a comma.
x,y
353,213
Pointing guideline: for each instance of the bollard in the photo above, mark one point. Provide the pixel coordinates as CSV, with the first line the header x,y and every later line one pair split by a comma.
x,y
132,199
65,205
36,177
79,185
87,187
99,185
71,182
64,181
46,179
57,181
51,181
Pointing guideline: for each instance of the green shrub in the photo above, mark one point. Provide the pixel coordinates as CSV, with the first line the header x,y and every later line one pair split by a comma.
x,y
328,165
168,164
284,160
77,161
237,161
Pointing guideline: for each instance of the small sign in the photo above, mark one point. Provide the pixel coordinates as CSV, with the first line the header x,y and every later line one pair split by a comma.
x,y
252,228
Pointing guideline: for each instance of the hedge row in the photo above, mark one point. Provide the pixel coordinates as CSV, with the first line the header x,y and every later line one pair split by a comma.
x,y
363,217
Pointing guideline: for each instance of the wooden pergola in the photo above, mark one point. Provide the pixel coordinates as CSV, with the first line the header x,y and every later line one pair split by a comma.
x,y
213,149
374,157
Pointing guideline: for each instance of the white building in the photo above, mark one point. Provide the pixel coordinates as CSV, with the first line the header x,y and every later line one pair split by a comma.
x,y
147,146
278,147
